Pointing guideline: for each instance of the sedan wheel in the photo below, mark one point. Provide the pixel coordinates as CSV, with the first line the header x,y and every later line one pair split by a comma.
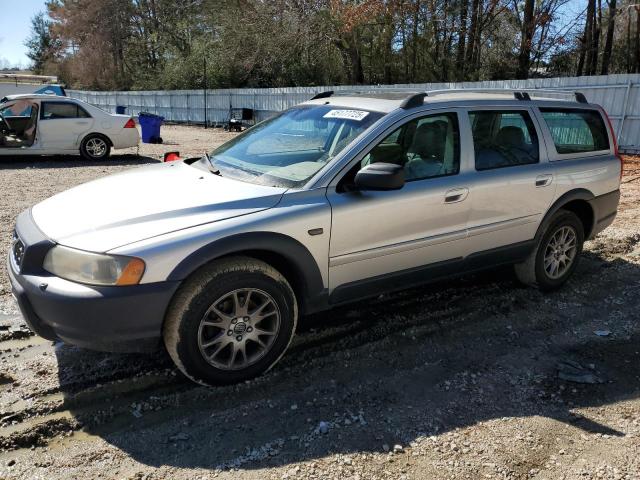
x,y
95,147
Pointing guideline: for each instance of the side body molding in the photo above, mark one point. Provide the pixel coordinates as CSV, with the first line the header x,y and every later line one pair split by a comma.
x,y
299,259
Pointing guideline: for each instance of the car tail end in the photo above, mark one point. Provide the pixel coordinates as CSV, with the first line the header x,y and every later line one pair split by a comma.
x,y
616,152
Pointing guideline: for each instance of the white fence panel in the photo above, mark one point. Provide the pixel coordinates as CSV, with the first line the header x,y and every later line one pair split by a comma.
x,y
618,94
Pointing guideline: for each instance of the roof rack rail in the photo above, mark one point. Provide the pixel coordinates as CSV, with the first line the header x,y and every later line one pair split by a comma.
x,y
326,94
413,100
580,97
519,93
521,96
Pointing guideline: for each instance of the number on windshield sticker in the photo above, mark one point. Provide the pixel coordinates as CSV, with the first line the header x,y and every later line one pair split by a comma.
x,y
357,115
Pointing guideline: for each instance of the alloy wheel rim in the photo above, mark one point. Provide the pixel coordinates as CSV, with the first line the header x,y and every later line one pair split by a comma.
x,y
560,252
239,328
96,147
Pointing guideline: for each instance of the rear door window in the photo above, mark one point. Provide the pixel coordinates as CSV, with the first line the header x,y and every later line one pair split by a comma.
x,y
503,139
58,110
576,130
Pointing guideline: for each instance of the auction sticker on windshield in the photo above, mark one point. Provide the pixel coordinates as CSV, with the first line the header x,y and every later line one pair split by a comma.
x,y
357,115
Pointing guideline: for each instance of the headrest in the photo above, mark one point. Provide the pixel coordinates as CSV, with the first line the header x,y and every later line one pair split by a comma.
x,y
429,140
510,135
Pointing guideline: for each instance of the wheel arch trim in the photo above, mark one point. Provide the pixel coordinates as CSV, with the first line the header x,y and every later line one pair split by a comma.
x,y
297,256
84,136
570,196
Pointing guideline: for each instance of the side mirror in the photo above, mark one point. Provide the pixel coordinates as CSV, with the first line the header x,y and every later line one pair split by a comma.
x,y
380,176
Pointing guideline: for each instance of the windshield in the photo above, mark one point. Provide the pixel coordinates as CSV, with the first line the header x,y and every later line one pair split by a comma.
x,y
287,150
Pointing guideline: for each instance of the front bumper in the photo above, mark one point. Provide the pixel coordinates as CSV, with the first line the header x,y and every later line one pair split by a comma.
x,y
116,319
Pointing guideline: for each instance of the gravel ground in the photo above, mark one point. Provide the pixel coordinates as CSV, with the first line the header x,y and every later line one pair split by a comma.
x,y
472,378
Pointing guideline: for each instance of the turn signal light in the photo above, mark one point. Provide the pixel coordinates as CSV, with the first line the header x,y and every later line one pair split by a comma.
x,y
132,273
130,124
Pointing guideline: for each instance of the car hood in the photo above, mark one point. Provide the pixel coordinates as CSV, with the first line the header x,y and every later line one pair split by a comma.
x,y
145,202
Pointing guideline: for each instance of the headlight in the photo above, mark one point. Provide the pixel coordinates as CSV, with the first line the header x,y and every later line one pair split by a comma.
x,y
93,268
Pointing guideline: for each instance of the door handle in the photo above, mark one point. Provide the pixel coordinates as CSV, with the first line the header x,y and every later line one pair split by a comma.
x,y
544,180
456,195
82,123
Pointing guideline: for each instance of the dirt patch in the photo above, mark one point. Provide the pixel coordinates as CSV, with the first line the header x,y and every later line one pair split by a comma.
x,y
38,435
631,165
463,379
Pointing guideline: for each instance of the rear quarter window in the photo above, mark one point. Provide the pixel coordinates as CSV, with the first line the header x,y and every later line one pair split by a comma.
x,y
576,131
61,110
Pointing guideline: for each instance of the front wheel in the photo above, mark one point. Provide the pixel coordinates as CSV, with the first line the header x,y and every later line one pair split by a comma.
x,y
231,321
556,254
95,147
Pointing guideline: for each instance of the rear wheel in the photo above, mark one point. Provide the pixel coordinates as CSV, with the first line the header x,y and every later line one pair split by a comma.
x,y
231,321
95,147
556,254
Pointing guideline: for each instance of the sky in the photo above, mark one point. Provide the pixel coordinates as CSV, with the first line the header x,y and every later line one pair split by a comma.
x,y
15,24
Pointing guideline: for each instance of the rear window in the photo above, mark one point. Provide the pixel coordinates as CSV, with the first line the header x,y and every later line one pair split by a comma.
x,y
576,131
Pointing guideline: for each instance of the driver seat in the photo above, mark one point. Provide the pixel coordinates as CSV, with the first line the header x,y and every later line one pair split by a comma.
x,y
426,154
428,142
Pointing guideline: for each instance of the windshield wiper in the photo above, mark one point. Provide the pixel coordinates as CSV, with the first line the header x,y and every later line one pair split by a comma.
x,y
212,167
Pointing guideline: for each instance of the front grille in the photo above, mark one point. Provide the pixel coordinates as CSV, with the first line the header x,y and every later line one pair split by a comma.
x,y
17,250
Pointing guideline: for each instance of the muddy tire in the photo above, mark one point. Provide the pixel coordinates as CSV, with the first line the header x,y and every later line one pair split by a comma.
x,y
556,254
230,321
95,147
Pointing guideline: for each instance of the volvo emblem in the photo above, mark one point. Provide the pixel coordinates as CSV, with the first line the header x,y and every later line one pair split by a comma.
x,y
239,328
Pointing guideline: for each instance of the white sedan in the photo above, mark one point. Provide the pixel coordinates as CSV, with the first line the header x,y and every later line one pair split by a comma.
x,y
52,125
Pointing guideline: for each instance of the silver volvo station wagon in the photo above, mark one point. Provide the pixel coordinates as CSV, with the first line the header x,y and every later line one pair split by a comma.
x,y
340,198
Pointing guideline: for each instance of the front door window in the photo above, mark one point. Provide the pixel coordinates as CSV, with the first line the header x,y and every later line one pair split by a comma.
x,y
427,147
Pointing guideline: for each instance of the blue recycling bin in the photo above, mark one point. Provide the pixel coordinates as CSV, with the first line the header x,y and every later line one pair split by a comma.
x,y
120,109
150,125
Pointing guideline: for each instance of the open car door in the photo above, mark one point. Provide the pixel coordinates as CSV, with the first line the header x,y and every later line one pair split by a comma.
x,y
18,122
